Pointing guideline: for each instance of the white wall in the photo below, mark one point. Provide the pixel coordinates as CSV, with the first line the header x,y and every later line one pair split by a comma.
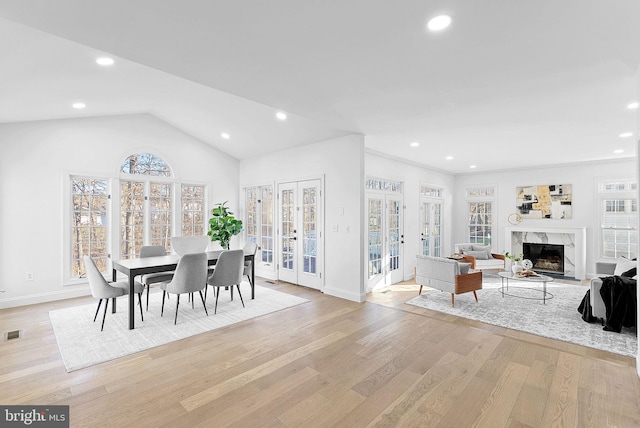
x,y
340,162
583,177
37,158
412,176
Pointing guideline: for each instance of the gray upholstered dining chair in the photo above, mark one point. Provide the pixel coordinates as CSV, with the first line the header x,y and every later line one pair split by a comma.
x,y
190,276
157,277
228,272
182,245
249,248
101,289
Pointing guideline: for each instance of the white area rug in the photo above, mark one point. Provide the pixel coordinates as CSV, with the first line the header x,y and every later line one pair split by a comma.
x,y
82,344
557,319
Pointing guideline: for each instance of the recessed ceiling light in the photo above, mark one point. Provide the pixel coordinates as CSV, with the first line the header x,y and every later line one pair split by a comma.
x,y
634,105
225,135
79,105
626,134
105,61
281,115
618,151
415,144
449,157
472,166
439,23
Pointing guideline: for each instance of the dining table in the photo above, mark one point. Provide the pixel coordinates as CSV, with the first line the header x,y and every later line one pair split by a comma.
x,y
142,266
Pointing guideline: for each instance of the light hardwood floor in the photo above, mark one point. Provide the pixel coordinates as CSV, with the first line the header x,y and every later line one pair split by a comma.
x,y
328,363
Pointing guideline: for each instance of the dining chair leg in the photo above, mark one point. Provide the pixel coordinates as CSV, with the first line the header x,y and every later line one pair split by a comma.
x,y
148,287
140,302
232,293
240,294
175,320
203,303
97,310
215,308
192,299
164,293
106,305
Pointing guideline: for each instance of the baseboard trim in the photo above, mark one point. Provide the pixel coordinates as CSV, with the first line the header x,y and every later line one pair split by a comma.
x,y
51,296
359,298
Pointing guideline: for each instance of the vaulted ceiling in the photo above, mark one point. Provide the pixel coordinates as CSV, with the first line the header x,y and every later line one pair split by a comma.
x,y
507,85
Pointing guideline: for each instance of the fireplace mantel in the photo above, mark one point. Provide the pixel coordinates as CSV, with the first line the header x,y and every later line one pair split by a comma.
x,y
573,239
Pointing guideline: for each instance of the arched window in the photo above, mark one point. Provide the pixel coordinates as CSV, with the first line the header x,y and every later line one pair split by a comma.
x,y
149,207
146,164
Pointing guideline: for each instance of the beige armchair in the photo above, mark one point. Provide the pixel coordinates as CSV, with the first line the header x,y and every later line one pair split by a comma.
x,y
447,275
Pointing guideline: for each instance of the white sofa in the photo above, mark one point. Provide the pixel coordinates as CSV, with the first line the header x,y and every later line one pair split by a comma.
x,y
480,256
447,275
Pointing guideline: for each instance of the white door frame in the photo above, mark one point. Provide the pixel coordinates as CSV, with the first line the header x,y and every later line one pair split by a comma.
x,y
312,281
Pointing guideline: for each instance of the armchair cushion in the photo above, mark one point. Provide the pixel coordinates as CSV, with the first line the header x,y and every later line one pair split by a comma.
x,y
479,255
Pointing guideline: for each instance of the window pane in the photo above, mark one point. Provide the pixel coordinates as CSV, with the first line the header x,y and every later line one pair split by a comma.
x,y
192,210
88,223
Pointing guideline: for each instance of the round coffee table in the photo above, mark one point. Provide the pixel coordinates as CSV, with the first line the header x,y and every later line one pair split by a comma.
x,y
506,276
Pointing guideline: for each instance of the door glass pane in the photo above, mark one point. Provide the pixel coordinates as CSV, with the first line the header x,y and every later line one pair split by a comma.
x,y
267,224
309,230
131,218
394,234
437,229
426,229
287,226
375,236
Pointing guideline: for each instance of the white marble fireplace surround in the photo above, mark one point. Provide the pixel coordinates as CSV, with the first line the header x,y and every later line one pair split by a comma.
x,y
572,238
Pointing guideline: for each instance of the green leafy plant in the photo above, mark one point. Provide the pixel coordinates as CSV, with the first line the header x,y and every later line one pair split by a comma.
x,y
223,225
514,257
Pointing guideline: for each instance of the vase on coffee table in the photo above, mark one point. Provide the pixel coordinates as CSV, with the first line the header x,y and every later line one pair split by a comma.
x,y
516,267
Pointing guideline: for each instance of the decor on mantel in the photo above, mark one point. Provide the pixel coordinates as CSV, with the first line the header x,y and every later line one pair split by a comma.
x,y
544,201
223,225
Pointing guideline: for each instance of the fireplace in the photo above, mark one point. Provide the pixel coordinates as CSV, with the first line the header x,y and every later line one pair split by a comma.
x,y
545,257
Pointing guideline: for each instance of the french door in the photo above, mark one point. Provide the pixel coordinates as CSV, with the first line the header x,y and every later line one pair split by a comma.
x,y
385,240
300,233
431,227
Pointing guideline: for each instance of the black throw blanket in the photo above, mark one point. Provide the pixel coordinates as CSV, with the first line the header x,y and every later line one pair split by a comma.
x,y
619,297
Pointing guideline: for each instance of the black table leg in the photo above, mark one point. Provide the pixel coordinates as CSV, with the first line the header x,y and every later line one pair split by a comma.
x,y
132,303
253,278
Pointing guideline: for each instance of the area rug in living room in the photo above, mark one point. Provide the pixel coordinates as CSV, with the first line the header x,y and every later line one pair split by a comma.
x,y
82,344
557,319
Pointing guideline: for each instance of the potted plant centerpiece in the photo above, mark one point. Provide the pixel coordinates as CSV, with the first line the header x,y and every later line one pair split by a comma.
x,y
516,266
223,225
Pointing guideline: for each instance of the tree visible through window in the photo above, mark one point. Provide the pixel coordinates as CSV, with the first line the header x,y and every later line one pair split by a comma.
x,y
89,229
146,164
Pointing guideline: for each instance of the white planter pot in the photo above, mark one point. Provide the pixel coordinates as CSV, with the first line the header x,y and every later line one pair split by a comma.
x,y
516,267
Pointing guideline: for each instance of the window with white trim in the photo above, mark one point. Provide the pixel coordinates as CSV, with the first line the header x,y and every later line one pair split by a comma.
x,y
145,213
480,203
89,223
618,219
193,204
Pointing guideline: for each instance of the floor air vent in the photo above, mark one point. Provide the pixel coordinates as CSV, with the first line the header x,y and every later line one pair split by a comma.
x,y
13,334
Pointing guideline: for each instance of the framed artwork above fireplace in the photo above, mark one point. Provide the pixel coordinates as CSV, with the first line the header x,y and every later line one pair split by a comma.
x,y
544,201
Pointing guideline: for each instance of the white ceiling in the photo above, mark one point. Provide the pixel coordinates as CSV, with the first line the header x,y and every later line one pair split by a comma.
x,y
509,84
